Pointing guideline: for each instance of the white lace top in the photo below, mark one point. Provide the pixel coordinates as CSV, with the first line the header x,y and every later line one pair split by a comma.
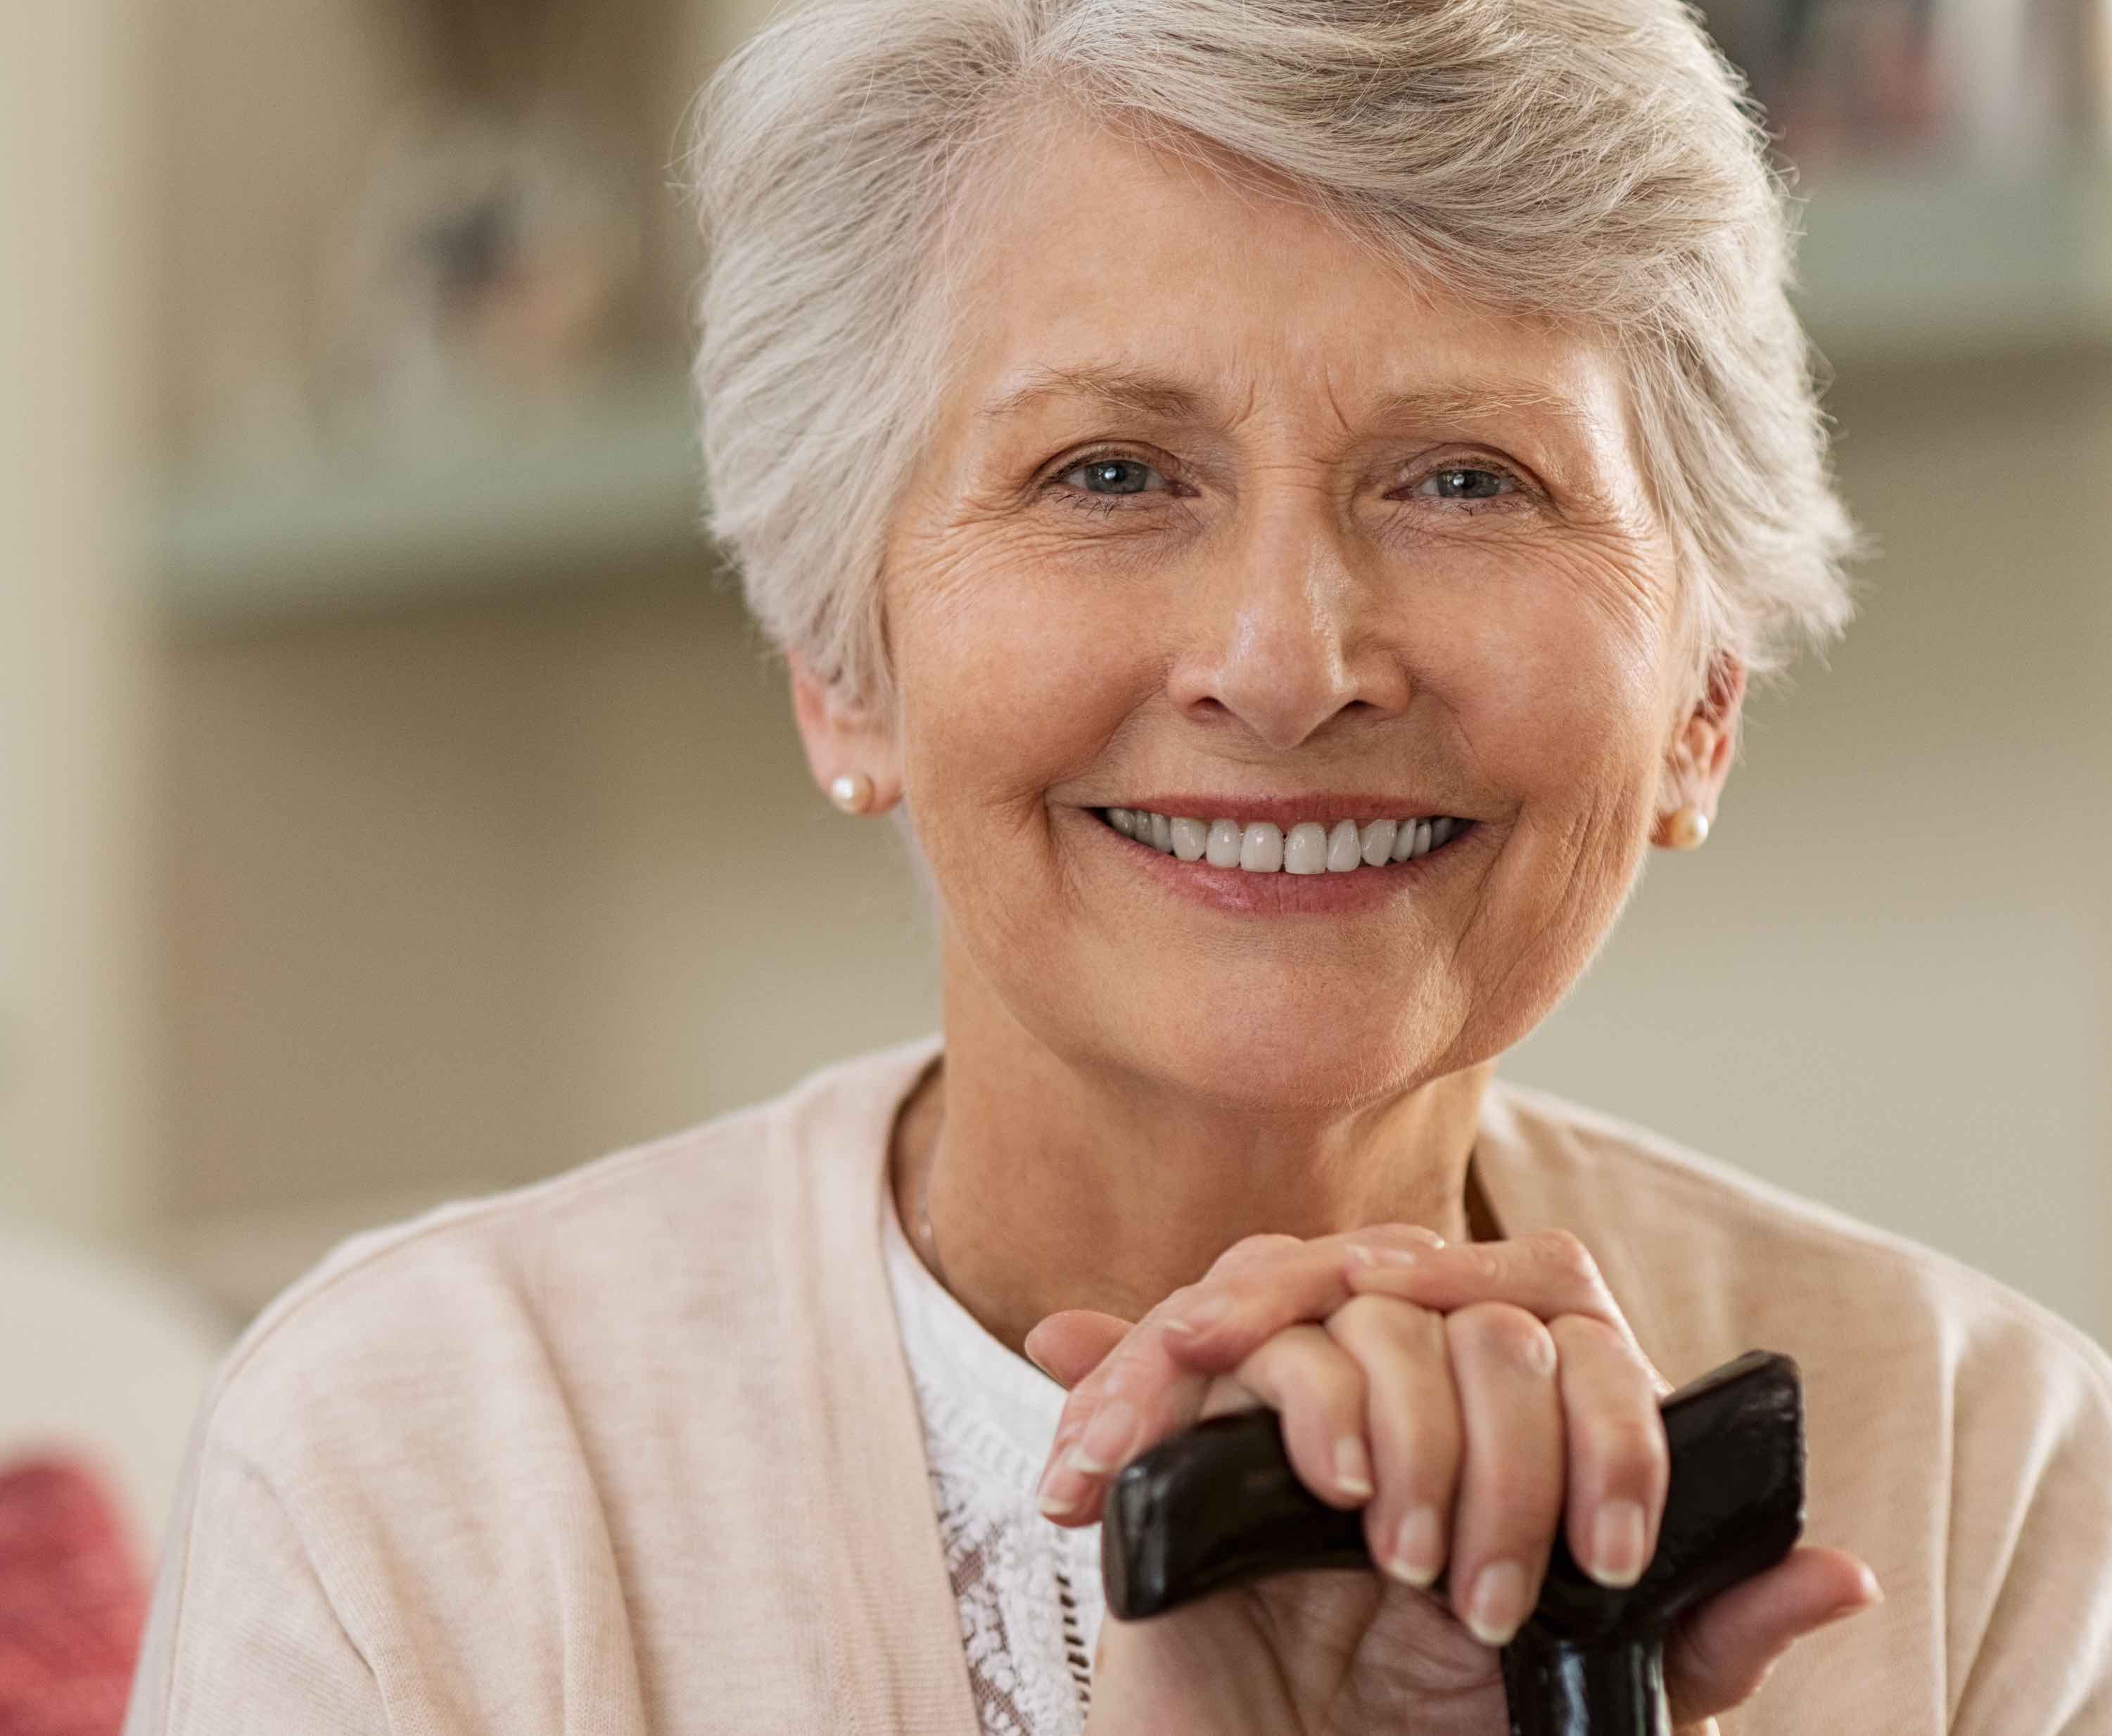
x,y
1029,1591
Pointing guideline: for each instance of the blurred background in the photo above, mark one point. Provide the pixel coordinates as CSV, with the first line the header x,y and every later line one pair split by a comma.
x,y
396,806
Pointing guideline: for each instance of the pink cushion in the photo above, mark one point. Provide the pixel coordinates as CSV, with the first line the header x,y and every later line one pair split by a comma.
x,y
73,1599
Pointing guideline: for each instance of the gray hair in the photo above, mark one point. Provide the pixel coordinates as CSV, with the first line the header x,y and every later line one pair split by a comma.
x,y
1596,163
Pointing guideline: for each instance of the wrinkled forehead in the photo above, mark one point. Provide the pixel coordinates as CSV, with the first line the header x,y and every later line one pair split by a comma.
x,y
1115,276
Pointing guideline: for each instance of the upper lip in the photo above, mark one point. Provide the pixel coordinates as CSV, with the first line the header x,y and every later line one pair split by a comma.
x,y
1289,810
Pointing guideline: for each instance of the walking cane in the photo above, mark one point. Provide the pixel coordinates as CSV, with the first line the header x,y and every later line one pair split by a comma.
x,y
1219,1504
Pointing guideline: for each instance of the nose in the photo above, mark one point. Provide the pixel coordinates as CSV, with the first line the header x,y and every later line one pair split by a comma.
x,y
1286,636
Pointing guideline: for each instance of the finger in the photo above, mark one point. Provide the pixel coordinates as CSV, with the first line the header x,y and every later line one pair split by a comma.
x,y
1619,1463
1504,1365
1718,1654
1068,1345
1223,1395
1164,1391
1549,1274
1262,1284
1135,1397
1318,1389
1255,1250
1301,1372
1412,1417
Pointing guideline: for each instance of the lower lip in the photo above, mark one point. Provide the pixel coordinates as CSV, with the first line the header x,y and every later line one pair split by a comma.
x,y
1239,893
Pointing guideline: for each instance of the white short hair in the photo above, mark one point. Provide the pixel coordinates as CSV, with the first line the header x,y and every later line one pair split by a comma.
x,y
1594,162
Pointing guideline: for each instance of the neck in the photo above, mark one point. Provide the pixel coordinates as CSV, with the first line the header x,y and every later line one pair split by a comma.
x,y
1048,1190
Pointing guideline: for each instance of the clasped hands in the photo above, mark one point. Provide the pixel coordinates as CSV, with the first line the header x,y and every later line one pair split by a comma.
x,y
1470,1397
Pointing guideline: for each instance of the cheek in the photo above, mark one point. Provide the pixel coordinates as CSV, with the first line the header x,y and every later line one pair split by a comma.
x,y
1008,685
1559,700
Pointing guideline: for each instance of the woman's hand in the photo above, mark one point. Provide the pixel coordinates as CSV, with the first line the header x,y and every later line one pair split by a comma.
x,y
1470,1399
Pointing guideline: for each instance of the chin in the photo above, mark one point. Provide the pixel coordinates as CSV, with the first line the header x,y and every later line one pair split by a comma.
x,y
1289,1063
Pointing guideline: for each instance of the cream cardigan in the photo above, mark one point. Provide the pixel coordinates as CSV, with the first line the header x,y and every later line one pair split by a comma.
x,y
634,1449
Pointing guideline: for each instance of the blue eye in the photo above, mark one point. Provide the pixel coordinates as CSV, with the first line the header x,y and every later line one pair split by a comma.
x,y
1473,480
1107,468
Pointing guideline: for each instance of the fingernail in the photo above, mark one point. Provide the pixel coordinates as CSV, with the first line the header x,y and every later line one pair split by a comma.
x,y
1873,1594
1617,1543
1497,1608
1099,1449
1061,1490
1201,1317
1418,1548
1386,1254
1352,1466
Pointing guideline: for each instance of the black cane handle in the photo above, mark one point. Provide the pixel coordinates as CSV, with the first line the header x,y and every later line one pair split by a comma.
x,y
1219,1504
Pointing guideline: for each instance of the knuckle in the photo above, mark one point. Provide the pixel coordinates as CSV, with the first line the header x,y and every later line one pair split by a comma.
x,y
1313,1374
1518,1518
1704,1663
1132,1364
1480,1261
1250,1248
1633,1452
1429,1466
1504,1332
1178,1301
1371,1320
1565,1255
1391,1341
1227,1393
1338,1391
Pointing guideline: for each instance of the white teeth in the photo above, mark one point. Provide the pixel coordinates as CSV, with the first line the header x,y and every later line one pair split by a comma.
x,y
1309,847
1344,848
1305,848
1261,848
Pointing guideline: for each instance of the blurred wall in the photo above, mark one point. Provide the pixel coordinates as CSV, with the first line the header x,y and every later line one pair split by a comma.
x,y
76,1044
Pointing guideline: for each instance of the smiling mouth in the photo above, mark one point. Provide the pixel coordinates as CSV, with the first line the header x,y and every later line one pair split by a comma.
x,y
1261,847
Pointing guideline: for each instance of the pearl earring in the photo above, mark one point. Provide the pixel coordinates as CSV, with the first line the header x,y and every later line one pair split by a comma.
x,y
1690,828
852,793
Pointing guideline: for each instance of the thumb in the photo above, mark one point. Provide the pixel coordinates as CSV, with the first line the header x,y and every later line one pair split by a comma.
x,y
1068,1345
1719,1655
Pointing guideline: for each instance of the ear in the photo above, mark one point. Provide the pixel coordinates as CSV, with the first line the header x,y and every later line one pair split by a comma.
x,y
1698,760
841,737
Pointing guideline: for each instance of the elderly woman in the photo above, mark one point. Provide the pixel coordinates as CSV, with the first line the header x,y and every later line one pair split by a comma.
x,y
1281,500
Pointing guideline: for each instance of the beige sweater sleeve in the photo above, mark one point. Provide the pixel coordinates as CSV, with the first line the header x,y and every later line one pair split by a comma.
x,y
242,1640
2030,1560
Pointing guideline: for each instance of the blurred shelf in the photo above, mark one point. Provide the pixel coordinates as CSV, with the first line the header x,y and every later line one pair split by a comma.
x,y
614,484
1898,268
1908,267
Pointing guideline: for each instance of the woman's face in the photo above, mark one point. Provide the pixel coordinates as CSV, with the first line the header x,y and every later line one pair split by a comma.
x,y
1388,555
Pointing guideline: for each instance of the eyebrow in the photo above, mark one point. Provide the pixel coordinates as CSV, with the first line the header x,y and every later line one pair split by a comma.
x,y
1144,392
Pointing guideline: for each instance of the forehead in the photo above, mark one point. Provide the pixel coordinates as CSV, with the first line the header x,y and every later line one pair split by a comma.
x,y
1113,274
